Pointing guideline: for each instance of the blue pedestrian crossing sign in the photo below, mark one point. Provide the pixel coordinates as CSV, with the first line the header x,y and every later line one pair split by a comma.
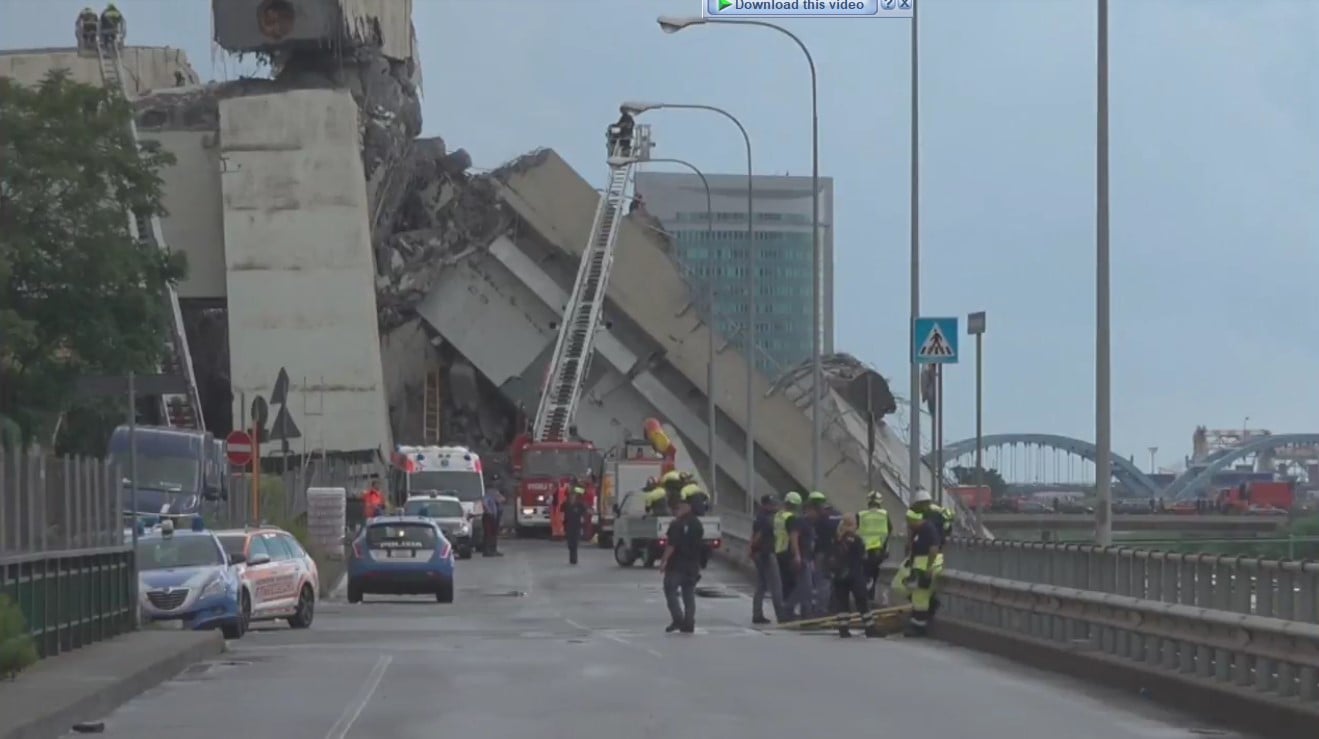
x,y
934,341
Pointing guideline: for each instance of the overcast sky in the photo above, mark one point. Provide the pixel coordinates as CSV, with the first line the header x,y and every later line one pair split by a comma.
x,y
1213,174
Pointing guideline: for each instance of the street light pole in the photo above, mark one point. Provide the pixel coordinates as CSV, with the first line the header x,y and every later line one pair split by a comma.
x,y
637,108
914,425
1103,398
673,25
711,411
975,325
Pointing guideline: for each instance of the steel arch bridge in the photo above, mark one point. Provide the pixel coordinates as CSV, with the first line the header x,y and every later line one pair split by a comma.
x,y
1124,471
1189,483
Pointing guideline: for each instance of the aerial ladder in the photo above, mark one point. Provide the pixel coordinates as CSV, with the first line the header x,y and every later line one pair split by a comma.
x,y
181,410
573,349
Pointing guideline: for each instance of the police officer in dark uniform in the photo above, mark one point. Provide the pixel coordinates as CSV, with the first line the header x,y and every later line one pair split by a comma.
x,y
681,566
574,520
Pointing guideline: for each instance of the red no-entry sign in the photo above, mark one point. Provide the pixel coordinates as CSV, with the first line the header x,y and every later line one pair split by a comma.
x,y
239,445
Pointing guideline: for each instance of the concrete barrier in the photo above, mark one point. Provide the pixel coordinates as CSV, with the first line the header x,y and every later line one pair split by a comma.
x,y
1031,603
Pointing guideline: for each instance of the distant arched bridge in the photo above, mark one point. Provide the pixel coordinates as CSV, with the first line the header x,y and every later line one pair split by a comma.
x,y
1124,471
1193,481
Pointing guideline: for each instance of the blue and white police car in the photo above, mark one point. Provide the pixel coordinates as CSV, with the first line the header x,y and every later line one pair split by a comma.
x,y
185,577
401,555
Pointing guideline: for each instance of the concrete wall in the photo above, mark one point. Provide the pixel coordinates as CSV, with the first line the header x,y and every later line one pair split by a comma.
x,y
406,353
388,23
195,225
645,283
145,67
300,267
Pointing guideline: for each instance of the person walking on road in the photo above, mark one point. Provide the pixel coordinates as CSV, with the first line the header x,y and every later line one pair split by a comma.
x,y
846,572
681,567
574,520
767,565
491,508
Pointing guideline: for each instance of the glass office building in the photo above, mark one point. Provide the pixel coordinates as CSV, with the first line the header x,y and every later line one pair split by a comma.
x,y
782,228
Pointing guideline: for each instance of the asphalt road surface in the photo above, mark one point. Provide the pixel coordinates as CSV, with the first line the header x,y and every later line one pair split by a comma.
x,y
535,649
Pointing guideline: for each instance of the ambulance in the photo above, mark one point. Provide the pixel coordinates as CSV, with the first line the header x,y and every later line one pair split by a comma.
x,y
443,470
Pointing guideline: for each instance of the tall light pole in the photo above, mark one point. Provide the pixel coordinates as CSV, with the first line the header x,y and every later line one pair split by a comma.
x,y
1153,451
1103,398
673,25
975,325
711,412
637,108
914,389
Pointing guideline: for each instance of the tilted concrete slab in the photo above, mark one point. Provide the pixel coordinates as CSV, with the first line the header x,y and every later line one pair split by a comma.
x,y
145,67
647,288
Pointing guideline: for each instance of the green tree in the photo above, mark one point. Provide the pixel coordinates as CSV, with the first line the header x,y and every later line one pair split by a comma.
x,y
78,295
17,650
998,487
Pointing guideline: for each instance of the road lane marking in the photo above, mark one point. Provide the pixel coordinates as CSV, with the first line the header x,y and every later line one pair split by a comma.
x,y
354,709
613,638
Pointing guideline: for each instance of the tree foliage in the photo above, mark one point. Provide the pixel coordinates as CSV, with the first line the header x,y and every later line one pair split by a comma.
x,y
78,295
998,487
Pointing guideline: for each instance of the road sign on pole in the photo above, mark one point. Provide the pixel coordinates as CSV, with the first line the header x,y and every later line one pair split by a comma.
x,y
934,341
239,448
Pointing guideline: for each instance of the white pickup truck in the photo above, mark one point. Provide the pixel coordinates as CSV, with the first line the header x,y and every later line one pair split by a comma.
x,y
640,535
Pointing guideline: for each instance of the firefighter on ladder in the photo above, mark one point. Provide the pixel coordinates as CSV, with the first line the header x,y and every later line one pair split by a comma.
x,y
112,27
87,28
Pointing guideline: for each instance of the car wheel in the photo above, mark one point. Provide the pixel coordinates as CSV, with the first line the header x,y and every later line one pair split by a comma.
x,y
623,555
302,617
445,593
236,629
354,592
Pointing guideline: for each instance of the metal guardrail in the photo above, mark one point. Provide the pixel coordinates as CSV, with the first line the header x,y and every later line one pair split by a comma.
x,y
62,554
1234,621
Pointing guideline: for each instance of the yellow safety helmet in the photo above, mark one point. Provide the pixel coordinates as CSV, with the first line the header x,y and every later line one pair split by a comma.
x,y
817,497
792,498
671,476
690,489
914,516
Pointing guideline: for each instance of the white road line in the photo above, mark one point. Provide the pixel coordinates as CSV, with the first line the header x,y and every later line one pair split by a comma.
x,y
354,709
614,638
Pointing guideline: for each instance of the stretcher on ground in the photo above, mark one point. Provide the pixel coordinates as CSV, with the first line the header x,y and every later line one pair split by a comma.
x,y
886,620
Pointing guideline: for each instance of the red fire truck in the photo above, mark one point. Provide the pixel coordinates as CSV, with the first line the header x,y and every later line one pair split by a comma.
x,y
541,467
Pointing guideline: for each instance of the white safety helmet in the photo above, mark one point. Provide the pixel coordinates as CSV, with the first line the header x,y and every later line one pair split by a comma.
x,y
920,495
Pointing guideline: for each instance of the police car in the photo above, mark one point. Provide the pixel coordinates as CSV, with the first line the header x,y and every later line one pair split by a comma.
x,y
185,577
447,511
443,470
279,578
400,555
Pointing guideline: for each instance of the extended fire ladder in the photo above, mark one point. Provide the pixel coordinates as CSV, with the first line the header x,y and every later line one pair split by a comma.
x,y
581,317
178,410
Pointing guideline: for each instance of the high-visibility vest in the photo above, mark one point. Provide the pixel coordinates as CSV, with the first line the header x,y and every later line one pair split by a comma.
x,y
873,527
781,541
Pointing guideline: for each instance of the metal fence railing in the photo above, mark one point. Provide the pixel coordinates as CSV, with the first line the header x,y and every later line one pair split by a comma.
x,y
281,497
63,559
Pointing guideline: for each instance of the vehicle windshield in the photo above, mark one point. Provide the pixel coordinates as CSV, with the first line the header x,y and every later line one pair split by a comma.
x,y
464,485
557,463
401,536
233,544
178,551
166,473
434,508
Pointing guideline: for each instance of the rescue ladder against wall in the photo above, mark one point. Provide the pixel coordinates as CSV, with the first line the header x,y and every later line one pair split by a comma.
x,y
570,363
182,410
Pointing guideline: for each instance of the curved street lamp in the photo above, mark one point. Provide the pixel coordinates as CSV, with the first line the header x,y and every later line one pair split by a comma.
x,y
673,24
637,108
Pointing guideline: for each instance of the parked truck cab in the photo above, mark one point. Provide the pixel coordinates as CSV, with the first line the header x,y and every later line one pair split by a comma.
x,y
177,469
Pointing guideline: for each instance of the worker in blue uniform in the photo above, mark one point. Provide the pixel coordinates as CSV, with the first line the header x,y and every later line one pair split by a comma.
x,y
873,527
802,598
788,549
767,565
924,563
845,571
827,520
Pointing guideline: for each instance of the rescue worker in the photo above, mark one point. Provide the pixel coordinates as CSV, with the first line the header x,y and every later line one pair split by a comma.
x,y
112,27
922,566
845,564
574,520
373,501
873,527
827,519
681,567
87,28
792,551
491,508
767,565
625,127
557,502
656,497
697,498
673,484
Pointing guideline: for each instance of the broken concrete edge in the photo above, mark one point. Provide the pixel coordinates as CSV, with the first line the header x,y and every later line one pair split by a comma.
x,y
70,707
1243,709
